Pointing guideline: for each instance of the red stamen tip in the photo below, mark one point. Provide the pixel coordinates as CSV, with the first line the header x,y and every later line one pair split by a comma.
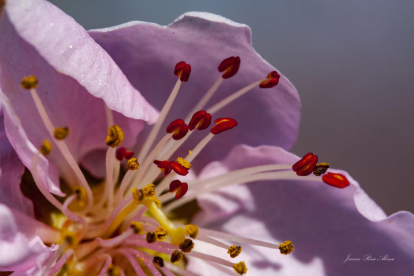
x,y
178,187
230,66
183,70
305,165
335,180
271,80
122,153
202,119
163,165
179,128
178,168
223,124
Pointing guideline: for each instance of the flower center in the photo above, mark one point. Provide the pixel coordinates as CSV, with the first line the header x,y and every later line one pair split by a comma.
x,y
108,227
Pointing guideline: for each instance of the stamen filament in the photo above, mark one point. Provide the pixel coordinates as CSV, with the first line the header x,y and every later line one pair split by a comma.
x,y
123,186
121,216
200,105
232,97
210,258
59,264
72,216
117,240
155,129
146,261
62,147
109,181
135,265
156,246
106,265
109,116
209,240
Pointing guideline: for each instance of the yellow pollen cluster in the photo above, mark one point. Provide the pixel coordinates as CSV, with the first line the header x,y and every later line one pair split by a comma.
x,y
71,239
61,133
184,163
176,256
115,136
137,227
132,164
234,251
46,147
29,82
186,246
240,268
161,233
81,196
286,247
156,201
191,230
137,194
149,190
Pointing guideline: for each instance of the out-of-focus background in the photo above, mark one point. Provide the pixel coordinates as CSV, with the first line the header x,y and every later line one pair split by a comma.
x,y
351,61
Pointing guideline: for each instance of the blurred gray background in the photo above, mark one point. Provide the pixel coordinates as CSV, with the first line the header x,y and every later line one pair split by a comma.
x,y
352,62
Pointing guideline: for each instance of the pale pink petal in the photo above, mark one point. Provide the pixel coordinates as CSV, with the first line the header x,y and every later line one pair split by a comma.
x,y
325,224
147,54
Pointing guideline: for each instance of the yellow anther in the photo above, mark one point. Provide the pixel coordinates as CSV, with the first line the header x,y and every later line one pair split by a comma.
x,y
29,82
184,163
114,270
151,237
137,194
137,227
161,233
240,268
156,201
286,247
115,136
191,230
149,190
186,246
190,152
132,164
176,256
81,196
320,168
234,251
61,133
46,147
158,261
71,239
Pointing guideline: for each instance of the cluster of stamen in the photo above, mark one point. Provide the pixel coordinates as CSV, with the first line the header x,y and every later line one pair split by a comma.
x,y
134,218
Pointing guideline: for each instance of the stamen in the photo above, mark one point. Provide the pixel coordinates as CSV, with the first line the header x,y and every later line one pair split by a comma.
x,y
271,80
176,256
240,268
122,153
209,240
161,233
61,133
72,216
178,168
201,119
59,264
109,116
230,67
148,191
232,97
137,227
305,165
158,261
234,251
109,181
179,128
81,196
115,270
46,147
183,70
106,266
121,216
151,237
184,163
286,247
320,168
132,165
115,136
117,240
210,258
179,188
62,147
164,166
135,265
186,246
223,124
191,230
29,82
335,180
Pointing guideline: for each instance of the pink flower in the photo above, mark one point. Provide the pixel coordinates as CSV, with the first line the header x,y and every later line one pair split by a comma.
x,y
81,104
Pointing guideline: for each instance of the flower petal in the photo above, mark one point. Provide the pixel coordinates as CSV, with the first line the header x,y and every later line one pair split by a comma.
x,y
17,253
204,40
323,223
66,46
67,103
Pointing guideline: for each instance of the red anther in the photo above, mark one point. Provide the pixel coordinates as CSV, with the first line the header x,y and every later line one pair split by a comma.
x,y
271,80
223,124
178,168
178,187
122,153
305,165
336,180
182,70
179,128
164,166
230,67
202,119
